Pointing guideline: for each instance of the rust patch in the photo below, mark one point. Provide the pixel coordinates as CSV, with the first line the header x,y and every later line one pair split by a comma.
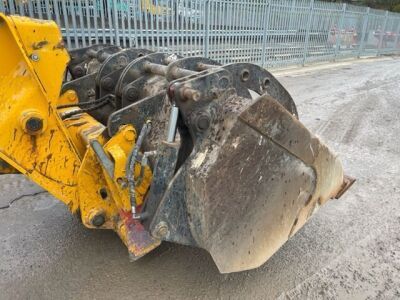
x,y
39,45
137,238
34,143
347,183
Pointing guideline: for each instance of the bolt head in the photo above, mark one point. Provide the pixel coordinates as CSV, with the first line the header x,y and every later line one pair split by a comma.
x,y
224,82
196,96
91,93
129,135
107,83
34,125
78,71
161,230
131,94
71,96
202,122
122,182
122,61
34,57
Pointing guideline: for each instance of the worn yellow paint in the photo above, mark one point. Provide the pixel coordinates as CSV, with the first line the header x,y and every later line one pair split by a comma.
x,y
81,128
119,147
58,156
68,97
32,66
93,178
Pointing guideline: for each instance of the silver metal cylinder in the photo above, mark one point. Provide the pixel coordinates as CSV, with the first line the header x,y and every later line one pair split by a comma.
x,y
173,119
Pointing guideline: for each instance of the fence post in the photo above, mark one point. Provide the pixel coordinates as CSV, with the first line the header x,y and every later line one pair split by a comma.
x,y
363,33
267,11
307,37
292,10
115,17
383,32
341,25
396,40
207,28
11,7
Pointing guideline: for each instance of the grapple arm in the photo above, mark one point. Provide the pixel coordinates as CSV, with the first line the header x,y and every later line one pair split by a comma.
x,y
161,148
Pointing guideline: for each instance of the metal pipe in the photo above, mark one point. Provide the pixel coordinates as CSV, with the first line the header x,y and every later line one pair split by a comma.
x,y
162,70
203,66
179,72
92,53
156,68
106,163
102,56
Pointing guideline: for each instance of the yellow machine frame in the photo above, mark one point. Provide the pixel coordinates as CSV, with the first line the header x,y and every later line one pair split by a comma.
x,y
56,153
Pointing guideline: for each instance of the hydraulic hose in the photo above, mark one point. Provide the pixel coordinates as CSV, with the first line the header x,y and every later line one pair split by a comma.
x,y
130,166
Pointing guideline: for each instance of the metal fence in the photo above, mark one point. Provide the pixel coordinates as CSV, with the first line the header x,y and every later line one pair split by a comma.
x,y
272,33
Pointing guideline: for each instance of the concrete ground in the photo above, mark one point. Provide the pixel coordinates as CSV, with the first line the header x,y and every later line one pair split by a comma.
x,y
349,250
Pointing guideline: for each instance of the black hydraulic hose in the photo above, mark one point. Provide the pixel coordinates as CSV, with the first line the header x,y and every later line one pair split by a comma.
x,y
80,104
95,104
130,166
106,98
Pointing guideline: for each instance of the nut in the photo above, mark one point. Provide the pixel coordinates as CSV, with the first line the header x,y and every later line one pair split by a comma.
x,y
161,230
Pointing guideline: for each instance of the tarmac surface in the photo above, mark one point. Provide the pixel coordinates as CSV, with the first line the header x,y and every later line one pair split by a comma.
x,y
350,249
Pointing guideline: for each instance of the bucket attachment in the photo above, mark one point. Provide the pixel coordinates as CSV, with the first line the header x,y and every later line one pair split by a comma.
x,y
161,148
